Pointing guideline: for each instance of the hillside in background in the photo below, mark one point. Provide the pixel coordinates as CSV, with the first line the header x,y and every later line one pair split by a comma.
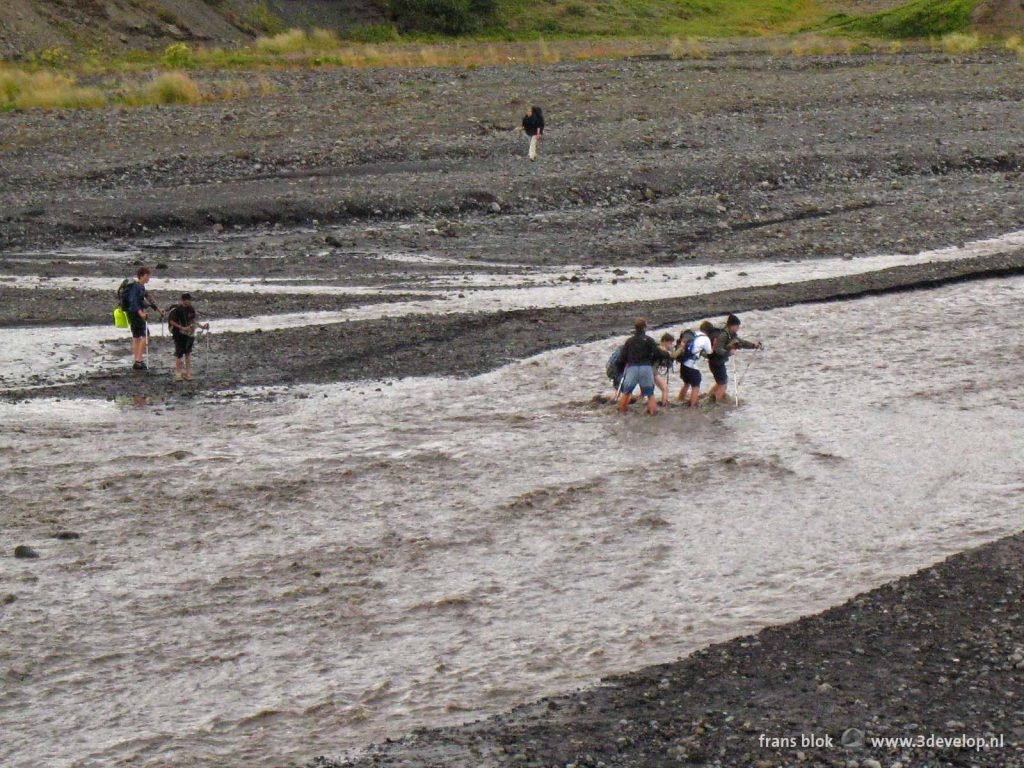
x,y
28,26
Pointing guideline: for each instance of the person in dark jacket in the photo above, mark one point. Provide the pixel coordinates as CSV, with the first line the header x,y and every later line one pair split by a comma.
x,y
533,126
136,300
724,341
640,354
182,320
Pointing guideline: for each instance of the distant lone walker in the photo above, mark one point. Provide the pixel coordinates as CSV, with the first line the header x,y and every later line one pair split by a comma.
x,y
533,126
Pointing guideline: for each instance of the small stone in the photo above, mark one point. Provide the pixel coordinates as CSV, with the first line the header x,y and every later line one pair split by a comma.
x,y
955,725
495,208
66,535
824,688
25,552
8,599
334,241
870,763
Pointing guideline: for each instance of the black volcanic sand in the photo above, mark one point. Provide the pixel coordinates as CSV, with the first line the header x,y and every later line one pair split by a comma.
x,y
741,156
939,652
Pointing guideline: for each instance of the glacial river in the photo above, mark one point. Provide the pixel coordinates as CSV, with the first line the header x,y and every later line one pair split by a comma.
x,y
267,576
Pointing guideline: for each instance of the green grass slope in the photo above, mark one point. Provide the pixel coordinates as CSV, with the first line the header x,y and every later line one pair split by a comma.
x,y
711,18
916,19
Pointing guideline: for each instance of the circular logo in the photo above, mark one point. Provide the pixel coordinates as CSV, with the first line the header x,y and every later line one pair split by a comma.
x,y
852,738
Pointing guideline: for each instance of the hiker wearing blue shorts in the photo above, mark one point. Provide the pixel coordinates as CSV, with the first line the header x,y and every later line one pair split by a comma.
x,y
640,354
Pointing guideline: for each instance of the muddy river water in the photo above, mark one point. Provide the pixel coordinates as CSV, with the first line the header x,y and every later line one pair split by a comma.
x,y
265,576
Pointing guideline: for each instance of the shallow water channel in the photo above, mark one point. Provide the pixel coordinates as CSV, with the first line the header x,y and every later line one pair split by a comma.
x,y
267,576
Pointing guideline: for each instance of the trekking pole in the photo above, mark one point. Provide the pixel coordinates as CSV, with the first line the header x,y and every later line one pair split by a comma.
x,y
742,374
147,345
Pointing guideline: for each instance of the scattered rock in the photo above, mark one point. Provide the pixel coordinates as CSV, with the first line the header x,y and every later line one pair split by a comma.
x,y
66,535
25,552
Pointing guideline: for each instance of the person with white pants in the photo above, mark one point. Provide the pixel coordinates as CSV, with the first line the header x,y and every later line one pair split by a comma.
x,y
533,126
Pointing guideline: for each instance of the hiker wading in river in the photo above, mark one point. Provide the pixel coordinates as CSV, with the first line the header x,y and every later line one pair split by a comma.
x,y
724,341
640,354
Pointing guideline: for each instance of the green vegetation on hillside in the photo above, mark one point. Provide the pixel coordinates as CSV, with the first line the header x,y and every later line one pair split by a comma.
x,y
916,19
519,19
710,18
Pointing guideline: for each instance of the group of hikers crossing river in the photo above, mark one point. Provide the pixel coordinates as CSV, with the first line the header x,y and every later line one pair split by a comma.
x,y
642,362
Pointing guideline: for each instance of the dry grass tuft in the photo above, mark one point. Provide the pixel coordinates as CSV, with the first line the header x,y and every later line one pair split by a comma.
x,y
20,90
687,48
172,88
960,43
299,41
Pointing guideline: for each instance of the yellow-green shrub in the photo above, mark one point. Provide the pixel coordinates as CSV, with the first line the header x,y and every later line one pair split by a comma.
x,y
172,88
959,42
21,90
688,48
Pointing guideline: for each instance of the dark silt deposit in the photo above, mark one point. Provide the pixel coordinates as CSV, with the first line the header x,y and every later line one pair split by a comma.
x,y
936,654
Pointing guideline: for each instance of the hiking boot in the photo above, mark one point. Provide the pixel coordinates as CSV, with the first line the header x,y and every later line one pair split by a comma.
x,y
138,366
178,376
188,377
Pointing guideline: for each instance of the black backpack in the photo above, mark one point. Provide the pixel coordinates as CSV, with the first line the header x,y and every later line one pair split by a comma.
x,y
122,293
685,342
616,364
713,336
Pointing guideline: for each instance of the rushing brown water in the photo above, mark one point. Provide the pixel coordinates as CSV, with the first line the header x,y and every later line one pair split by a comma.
x,y
263,577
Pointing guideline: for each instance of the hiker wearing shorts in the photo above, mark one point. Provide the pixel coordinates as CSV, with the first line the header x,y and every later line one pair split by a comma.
x,y
533,126
136,300
182,320
640,353
661,379
689,355
724,342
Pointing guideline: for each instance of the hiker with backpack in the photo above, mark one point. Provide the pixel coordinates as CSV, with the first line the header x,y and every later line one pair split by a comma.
x,y
691,347
533,126
663,368
640,354
724,341
182,320
133,299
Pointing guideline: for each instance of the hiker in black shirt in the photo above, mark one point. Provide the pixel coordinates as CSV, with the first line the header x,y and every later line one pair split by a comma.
x,y
182,320
533,126
640,353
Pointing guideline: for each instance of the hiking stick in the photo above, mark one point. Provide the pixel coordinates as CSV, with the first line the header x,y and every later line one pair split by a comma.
x,y
147,345
739,378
